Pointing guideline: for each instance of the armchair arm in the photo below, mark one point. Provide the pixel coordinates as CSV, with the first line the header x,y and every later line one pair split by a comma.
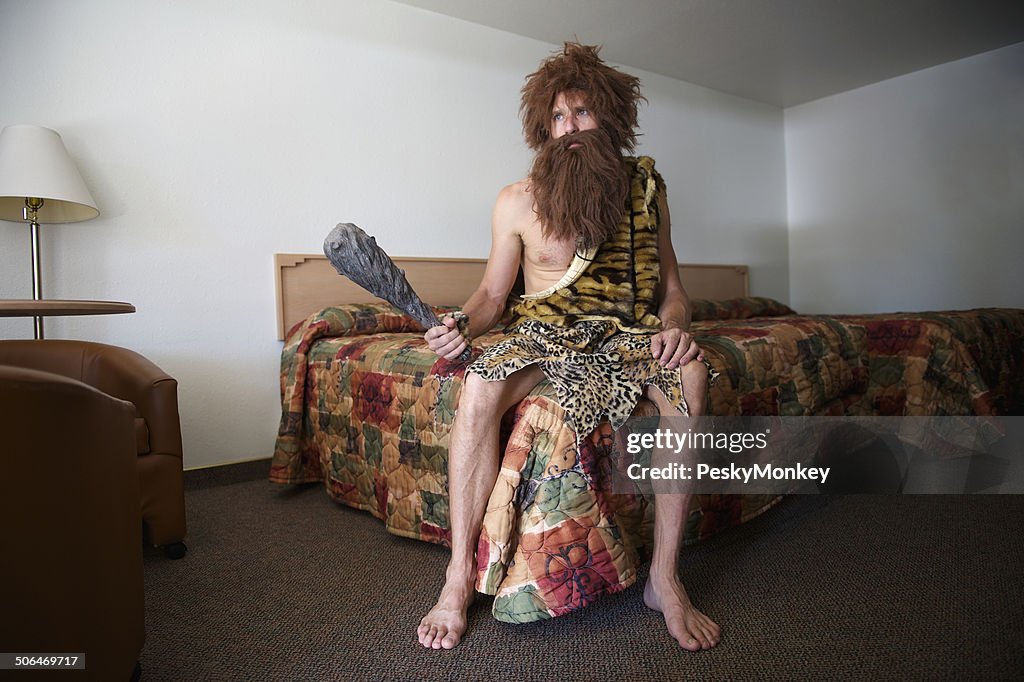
x,y
116,371
127,375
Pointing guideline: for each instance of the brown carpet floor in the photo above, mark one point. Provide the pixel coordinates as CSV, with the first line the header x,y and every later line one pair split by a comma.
x,y
282,584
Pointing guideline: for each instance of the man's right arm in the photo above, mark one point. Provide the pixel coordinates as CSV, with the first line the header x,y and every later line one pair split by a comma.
x,y
487,303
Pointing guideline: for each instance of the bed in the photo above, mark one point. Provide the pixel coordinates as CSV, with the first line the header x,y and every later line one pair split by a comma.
x,y
367,410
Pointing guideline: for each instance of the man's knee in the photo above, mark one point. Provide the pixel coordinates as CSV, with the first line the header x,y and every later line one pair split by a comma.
x,y
482,399
694,375
479,398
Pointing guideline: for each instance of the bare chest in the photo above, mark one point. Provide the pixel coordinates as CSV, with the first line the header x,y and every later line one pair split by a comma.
x,y
544,260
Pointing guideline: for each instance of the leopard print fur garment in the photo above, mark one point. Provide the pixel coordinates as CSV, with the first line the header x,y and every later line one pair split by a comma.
x,y
598,372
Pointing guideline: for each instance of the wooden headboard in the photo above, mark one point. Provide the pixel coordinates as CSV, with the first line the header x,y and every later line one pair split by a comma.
x,y
307,283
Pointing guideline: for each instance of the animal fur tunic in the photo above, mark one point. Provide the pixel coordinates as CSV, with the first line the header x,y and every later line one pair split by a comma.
x,y
590,333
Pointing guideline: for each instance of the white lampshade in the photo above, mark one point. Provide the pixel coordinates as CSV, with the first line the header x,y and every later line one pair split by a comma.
x,y
34,163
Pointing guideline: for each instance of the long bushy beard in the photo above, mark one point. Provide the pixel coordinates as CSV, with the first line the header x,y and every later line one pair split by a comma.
x,y
580,192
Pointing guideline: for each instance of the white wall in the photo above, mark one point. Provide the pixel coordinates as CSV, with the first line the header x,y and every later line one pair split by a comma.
x,y
213,135
908,194
723,159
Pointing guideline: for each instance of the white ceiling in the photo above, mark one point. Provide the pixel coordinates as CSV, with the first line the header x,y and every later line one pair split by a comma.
x,y
781,52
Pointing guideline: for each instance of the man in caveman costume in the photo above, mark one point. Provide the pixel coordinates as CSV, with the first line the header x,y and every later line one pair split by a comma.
x,y
590,229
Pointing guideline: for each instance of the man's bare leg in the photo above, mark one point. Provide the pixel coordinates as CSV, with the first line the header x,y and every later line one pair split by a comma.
x,y
664,591
473,460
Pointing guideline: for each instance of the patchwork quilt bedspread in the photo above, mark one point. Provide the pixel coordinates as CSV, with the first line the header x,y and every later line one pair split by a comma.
x,y
367,409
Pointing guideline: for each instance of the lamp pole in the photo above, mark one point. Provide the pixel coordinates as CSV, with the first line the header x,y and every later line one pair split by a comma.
x,y
32,206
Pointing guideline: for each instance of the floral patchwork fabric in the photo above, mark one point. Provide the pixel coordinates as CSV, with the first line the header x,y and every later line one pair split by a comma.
x,y
367,409
738,308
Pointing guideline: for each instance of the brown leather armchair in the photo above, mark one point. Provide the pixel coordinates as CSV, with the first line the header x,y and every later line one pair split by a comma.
x,y
129,376
69,514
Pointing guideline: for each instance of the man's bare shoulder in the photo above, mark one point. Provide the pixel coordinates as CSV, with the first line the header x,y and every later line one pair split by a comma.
x,y
513,210
516,196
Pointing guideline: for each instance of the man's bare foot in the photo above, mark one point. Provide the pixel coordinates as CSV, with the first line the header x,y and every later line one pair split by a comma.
x,y
444,625
691,628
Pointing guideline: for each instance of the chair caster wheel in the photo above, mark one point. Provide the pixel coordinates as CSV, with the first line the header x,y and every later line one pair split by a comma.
x,y
175,550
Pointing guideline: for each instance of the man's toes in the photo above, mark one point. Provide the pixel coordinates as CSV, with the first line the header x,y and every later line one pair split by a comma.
x,y
704,636
438,641
689,642
702,639
428,639
711,630
691,636
686,639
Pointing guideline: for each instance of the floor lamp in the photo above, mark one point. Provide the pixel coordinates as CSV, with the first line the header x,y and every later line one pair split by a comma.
x,y
39,183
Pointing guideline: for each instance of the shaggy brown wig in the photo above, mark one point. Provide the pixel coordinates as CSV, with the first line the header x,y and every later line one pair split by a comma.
x,y
611,95
580,185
